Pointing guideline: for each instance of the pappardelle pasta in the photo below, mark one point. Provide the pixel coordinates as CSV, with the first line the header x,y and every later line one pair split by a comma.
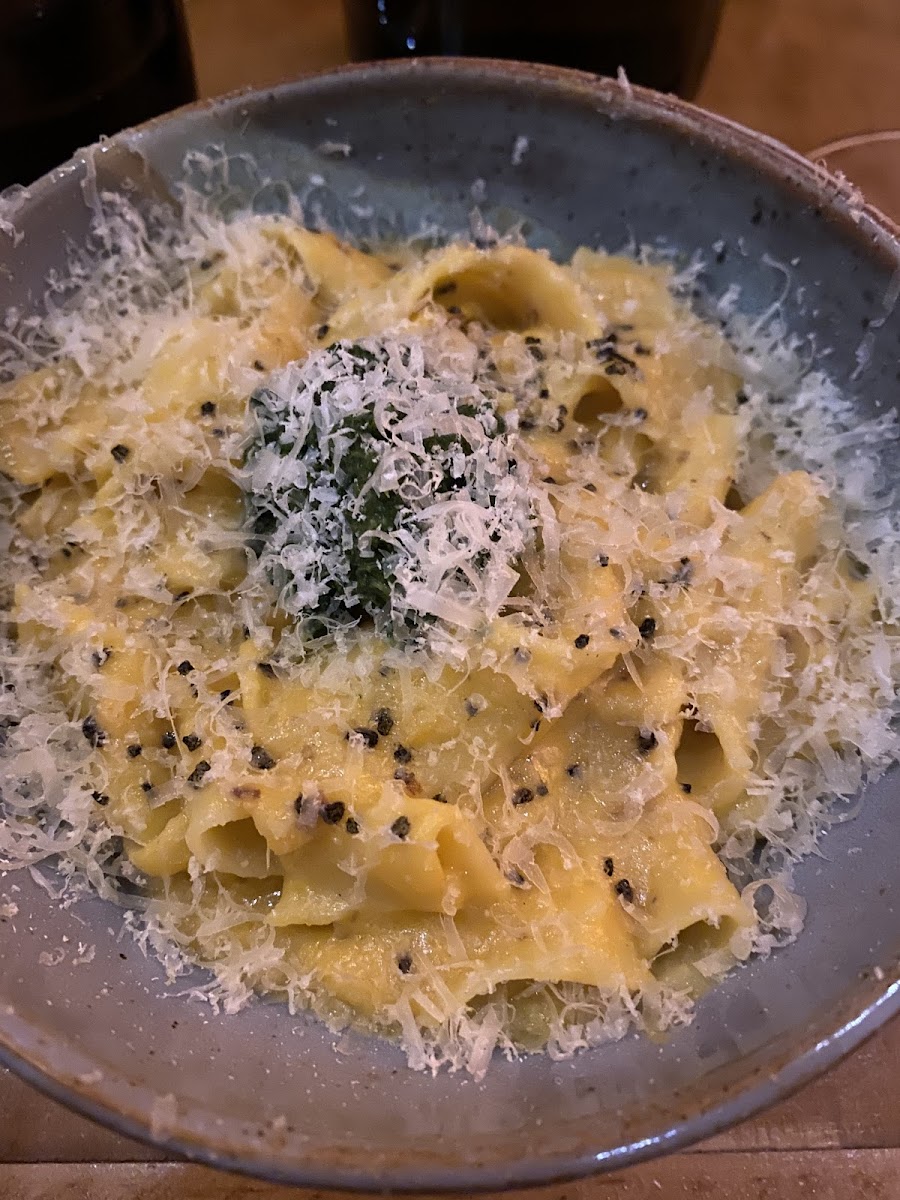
x,y
423,645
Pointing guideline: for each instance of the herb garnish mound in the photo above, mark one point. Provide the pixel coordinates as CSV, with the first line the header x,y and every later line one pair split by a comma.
x,y
382,482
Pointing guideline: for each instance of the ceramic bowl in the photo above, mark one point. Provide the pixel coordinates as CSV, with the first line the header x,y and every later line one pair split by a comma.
x,y
575,160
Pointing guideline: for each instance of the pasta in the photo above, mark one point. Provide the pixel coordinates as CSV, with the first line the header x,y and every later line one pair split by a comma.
x,y
420,640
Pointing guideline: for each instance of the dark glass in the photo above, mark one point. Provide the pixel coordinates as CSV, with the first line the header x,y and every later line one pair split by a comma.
x,y
71,70
663,44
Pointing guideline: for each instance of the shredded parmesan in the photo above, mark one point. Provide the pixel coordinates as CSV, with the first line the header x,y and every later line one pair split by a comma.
x,y
432,425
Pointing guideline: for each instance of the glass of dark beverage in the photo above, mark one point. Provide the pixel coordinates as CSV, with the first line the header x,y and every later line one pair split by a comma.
x,y
663,44
72,70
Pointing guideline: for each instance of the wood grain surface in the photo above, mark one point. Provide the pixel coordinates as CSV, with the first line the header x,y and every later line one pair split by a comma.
x,y
805,71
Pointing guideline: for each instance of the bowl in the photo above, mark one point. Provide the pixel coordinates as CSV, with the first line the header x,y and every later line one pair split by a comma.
x,y
575,159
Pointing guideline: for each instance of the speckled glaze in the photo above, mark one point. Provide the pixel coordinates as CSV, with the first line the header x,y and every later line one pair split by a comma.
x,y
265,1092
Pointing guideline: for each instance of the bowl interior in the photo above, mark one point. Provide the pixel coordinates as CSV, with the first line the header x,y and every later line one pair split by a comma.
x,y
419,146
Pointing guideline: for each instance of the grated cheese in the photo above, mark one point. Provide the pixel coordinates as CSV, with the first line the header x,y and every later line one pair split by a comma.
x,y
379,478
133,285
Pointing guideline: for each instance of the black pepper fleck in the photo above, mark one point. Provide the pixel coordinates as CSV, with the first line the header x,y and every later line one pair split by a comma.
x,y
146,786
573,770
323,331
602,560
185,667
624,889
333,812
92,731
383,721
400,828
684,571
192,741
368,737
522,795
261,758
542,790
402,755
687,788
581,641
99,657
352,825
169,740
646,741
100,798
647,628
608,867
208,408
404,964
196,776
120,452
135,750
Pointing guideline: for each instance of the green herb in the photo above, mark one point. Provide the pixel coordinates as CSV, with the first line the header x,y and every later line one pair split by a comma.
x,y
352,473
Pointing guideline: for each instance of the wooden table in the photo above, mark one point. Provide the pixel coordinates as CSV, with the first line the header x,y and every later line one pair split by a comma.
x,y
805,71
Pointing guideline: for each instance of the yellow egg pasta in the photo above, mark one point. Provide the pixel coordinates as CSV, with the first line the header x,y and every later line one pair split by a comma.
x,y
421,645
